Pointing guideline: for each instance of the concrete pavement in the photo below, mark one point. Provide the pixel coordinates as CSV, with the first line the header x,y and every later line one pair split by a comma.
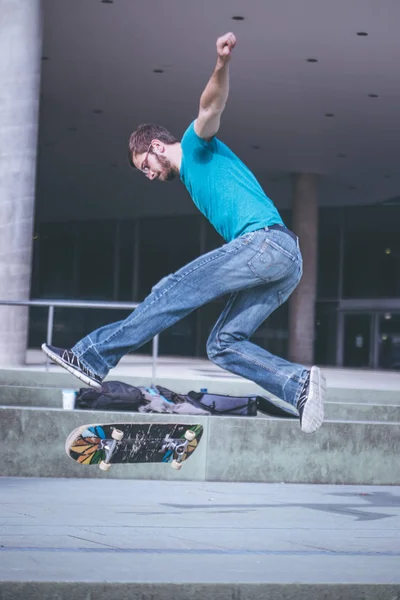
x,y
219,535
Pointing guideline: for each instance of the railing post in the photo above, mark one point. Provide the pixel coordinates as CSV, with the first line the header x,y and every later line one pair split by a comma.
x,y
78,304
155,356
49,336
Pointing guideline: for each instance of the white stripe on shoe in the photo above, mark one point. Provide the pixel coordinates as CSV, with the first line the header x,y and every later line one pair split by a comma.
x,y
57,359
313,413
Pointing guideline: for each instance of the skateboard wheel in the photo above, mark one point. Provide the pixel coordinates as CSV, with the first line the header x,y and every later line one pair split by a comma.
x,y
117,434
104,466
189,435
176,465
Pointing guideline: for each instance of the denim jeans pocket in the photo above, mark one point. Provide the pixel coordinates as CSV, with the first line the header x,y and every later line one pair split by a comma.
x,y
286,249
270,262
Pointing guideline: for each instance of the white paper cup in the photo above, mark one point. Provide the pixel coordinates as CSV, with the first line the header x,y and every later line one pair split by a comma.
x,y
68,399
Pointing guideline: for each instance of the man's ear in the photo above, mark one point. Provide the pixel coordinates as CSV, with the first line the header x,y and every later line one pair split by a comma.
x,y
158,146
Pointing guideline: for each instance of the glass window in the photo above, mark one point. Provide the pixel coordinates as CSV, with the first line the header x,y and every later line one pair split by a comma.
x,y
166,245
326,333
96,248
127,232
55,245
372,252
328,253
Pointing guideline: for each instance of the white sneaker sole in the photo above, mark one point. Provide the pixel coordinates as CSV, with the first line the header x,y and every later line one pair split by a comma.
x,y
55,358
313,413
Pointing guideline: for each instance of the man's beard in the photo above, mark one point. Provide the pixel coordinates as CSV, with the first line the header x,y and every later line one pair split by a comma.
x,y
167,173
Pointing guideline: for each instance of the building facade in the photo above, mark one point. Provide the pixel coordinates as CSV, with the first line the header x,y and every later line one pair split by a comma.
x,y
357,307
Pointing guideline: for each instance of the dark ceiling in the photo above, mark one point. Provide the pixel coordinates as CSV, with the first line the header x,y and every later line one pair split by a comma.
x,y
338,117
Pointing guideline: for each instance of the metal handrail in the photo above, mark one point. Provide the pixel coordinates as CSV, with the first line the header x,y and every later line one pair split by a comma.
x,y
52,304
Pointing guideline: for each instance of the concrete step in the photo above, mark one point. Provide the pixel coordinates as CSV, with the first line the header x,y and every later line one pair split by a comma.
x,y
51,397
58,378
232,449
38,388
76,590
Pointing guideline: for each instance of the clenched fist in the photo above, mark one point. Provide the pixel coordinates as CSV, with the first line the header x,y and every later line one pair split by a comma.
x,y
225,45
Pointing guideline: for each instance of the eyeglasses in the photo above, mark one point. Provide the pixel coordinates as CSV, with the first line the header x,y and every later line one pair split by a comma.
x,y
144,167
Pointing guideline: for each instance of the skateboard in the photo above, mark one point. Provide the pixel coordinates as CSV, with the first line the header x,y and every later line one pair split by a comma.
x,y
124,443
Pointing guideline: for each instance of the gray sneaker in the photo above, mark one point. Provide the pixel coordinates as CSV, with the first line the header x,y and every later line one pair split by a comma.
x,y
311,402
67,359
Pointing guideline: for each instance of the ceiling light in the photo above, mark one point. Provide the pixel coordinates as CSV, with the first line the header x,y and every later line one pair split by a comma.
x,y
238,18
388,251
373,96
388,316
312,60
158,70
362,33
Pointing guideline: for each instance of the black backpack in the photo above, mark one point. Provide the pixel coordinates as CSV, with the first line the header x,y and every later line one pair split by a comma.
x,y
114,395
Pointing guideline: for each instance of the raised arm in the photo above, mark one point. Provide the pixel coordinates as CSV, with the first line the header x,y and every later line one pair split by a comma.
x,y
215,95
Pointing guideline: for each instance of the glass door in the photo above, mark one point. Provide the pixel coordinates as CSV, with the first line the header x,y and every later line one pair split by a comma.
x,y
389,341
357,340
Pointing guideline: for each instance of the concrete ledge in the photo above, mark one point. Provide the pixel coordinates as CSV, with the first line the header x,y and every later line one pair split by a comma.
x,y
57,378
50,397
34,441
45,590
366,396
358,411
19,395
271,450
232,449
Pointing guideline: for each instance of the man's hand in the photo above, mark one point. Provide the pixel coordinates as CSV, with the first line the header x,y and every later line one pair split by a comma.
x,y
225,45
215,95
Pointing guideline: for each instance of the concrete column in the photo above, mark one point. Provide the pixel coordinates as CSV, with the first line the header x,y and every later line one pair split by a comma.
x,y
20,54
302,301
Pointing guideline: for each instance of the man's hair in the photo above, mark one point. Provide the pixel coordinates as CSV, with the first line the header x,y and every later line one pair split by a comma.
x,y
142,137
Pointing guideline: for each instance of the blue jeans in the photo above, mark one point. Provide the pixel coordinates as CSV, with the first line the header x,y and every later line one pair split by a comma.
x,y
259,270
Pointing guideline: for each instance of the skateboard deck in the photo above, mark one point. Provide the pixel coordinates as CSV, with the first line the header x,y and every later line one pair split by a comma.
x,y
123,443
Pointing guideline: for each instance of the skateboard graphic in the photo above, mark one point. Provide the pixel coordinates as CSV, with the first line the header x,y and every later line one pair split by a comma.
x,y
124,443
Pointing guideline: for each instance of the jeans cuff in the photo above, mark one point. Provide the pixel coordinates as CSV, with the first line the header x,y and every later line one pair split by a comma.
x,y
91,359
302,381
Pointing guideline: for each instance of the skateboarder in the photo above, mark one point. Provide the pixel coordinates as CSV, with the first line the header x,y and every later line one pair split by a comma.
x,y
259,266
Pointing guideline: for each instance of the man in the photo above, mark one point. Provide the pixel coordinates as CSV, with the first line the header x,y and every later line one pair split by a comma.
x,y
259,266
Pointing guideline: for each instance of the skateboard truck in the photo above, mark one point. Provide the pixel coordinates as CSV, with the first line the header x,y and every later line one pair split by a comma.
x,y
178,447
109,446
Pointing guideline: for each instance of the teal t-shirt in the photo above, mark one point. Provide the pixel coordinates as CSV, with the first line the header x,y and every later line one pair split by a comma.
x,y
223,188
